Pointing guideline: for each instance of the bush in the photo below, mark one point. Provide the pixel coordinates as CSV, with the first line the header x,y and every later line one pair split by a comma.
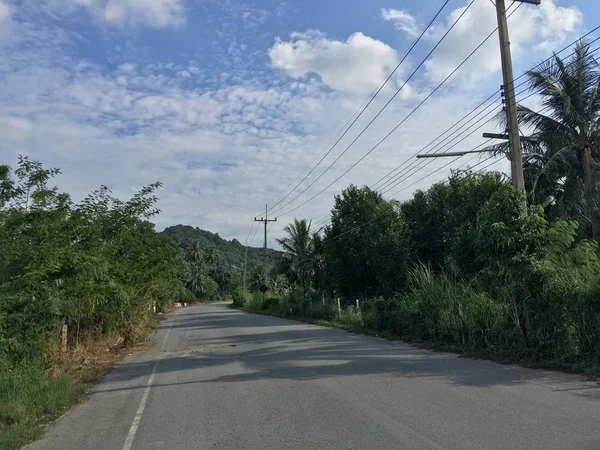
x,y
98,266
271,304
241,296
381,314
210,290
352,317
255,302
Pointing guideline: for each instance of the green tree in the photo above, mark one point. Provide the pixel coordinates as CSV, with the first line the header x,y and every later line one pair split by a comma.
x,y
97,266
211,257
365,246
442,221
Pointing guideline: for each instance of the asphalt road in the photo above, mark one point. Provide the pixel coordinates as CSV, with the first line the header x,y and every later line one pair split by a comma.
x,y
224,379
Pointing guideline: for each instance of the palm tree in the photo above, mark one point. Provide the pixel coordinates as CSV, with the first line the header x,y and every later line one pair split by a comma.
x,y
195,278
195,253
211,256
279,285
298,248
257,280
562,171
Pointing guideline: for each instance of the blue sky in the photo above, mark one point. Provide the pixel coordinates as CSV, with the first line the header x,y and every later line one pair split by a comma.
x,y
227,102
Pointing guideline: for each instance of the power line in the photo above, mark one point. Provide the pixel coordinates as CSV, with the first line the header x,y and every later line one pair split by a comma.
x,y
429,174
426,147
403,120
248,237
373,119
393,182
374,186
425,164
493,156
253,237
373,96
486,100
322,222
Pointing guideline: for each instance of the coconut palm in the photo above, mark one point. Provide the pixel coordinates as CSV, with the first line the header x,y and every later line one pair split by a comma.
x,y
195,253
298,248
279,285
257,280
211,256
562,172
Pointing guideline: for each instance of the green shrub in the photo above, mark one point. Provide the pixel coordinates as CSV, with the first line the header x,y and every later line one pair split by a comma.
x,y
271,304
97,266
255,302
382,314
241,296
209,290
352,317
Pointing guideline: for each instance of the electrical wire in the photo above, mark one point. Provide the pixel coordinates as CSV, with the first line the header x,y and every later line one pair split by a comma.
x,y
425,164
482,103
403,120
253,237
375,185
248,237
363,109
323,221
372,120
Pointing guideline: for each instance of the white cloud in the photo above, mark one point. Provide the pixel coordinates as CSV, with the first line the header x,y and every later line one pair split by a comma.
x,y
151,13
529,27
222,150
355,66
127,67
6,11
403,21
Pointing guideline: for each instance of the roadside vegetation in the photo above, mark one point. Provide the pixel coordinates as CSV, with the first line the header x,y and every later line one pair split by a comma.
x,y
97,267
461,266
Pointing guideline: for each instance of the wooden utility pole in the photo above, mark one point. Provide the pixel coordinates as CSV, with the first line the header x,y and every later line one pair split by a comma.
x,y
266,220
245,263
514,139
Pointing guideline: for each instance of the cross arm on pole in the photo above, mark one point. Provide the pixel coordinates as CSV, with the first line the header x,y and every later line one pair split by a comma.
x,y
505,137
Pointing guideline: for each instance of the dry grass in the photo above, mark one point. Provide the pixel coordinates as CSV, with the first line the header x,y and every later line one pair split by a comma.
x,y
92,358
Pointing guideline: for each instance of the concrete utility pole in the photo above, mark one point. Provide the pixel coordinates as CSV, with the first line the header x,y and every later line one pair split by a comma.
x,y
266,220
511,102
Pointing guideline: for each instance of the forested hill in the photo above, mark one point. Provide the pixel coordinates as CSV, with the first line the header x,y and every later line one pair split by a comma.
x,y
231,253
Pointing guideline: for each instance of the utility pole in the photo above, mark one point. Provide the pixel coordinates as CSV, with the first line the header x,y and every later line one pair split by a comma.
x,y
514,139
245,263
265,220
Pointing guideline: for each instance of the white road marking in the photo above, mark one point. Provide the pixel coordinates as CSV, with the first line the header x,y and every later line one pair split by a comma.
x,y
138,415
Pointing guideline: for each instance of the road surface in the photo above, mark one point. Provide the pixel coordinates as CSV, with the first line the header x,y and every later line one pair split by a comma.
x,y
224,379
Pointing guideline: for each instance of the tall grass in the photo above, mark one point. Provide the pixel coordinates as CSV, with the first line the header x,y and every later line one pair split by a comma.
x,y
29,398
441,309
